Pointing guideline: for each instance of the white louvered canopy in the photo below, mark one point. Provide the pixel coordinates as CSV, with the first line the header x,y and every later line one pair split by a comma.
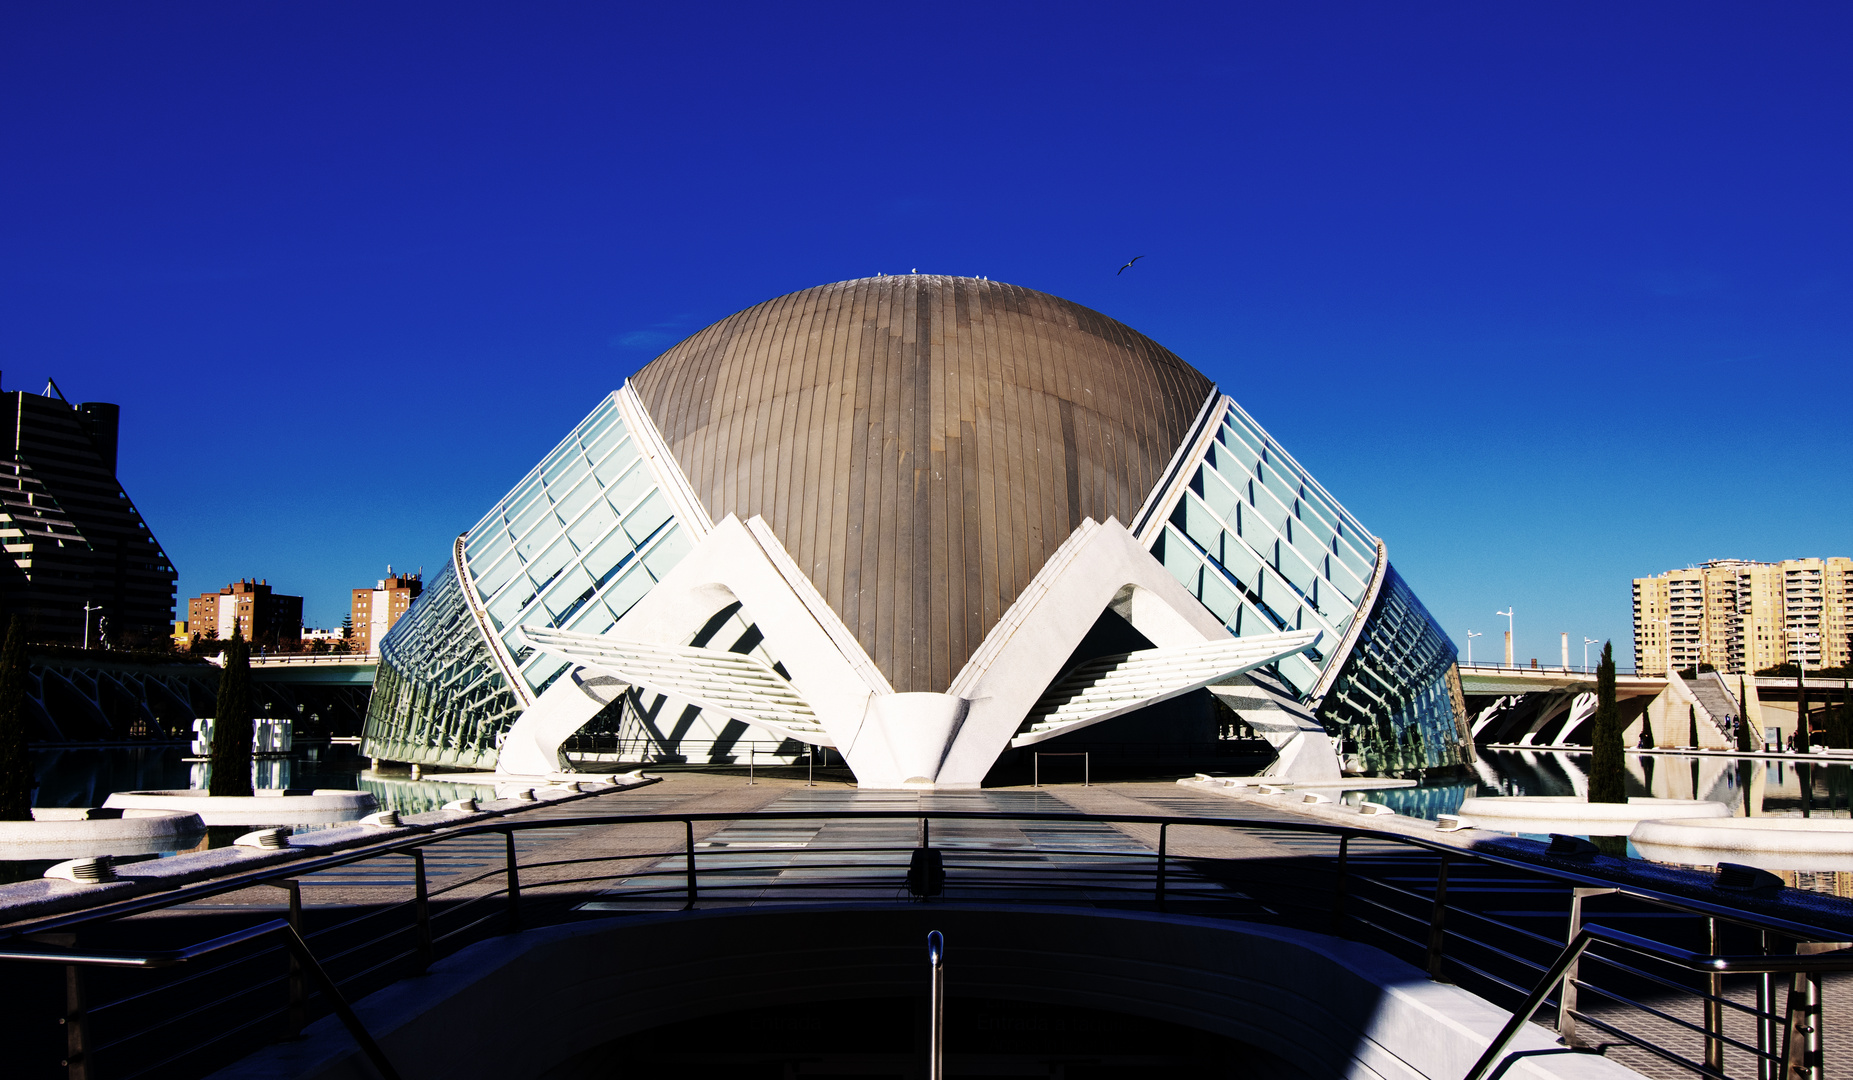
x,y
733,684
1111,686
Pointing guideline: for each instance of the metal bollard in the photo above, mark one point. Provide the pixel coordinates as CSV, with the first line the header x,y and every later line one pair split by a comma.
x,y
936,1024
1437,933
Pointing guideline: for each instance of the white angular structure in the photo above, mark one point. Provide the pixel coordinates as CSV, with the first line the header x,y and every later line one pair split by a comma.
x,y
927,523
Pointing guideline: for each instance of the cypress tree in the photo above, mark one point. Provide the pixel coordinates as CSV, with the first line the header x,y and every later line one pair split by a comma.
x,y
1607,773
231,726
15,766
1692,717
1746,738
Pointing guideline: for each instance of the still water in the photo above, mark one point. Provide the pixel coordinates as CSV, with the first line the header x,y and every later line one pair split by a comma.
x,y
1775,788
85,776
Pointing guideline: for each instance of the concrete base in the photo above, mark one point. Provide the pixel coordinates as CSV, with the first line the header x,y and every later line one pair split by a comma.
x,y
1572,814
283,806
522,1005
79,833
1766,843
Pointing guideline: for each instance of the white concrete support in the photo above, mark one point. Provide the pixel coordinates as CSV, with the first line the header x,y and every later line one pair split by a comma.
x,y
532,746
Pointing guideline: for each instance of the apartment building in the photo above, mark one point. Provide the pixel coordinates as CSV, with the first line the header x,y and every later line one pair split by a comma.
x,y
1742,616
375,610
262,616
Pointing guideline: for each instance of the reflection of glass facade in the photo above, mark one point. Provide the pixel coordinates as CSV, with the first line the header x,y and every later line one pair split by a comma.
x,y
583,537
1397,700
1265,548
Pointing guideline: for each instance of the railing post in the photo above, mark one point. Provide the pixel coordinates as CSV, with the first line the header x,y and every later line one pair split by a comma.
x,y
1714,1004
1087,768
1163,826
1036,773
76,1025
1766,1016
1338,894
421,909
688,828
1801,1058
936,1022
297,1015
1566,1000
514,885
1437,921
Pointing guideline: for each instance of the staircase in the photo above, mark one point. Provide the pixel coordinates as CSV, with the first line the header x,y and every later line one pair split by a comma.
x,y
1716,703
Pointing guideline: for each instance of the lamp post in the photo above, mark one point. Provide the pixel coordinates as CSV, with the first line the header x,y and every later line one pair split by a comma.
x,y
1508,614
1587,642
1471,634
88,608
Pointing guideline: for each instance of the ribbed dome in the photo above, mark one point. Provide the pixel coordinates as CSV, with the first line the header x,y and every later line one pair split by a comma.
x,y
921,444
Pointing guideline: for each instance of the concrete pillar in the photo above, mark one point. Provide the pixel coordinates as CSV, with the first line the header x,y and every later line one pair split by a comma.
x,y
1509,648
1566,652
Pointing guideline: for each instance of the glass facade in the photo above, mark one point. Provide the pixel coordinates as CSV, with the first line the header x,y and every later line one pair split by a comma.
x,y
1397,700
439,696
578,541
1265,549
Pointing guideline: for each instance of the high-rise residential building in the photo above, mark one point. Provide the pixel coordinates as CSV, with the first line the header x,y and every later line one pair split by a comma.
x,y
81,563
1741,616
265,618
375,610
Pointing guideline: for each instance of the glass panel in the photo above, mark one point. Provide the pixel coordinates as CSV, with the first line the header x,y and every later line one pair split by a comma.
x,y
647,518
1219,496
568,594
605,442
577,499
628,589
621,459
496,576
667,553
631,486
593,525
543,569
1219,598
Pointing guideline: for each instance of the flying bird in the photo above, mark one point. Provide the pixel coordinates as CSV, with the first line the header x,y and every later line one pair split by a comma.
x,y
1128,266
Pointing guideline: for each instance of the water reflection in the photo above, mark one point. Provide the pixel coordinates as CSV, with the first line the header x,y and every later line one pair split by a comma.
x,y
88,775
1776,788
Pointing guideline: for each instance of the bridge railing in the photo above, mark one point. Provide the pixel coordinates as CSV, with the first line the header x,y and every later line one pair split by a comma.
x,y
1485,920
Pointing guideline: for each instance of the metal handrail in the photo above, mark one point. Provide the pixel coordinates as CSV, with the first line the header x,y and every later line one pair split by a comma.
x,y
428,835
299,949
1685,958
1116,877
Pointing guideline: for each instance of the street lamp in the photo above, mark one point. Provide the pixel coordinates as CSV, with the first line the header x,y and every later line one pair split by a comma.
x,y
1508,614
88,608
1471,634
1587,642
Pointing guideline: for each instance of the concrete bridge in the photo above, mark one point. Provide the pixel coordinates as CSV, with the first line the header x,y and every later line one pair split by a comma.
x,y
84,697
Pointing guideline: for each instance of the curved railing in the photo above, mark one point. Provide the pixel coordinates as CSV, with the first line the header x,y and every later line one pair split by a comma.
x,y
1418,898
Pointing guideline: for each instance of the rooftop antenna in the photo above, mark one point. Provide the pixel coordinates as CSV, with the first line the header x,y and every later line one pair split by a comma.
x,y
51,387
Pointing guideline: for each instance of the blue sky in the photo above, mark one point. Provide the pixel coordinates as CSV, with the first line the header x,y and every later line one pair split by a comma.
x,y
1549,295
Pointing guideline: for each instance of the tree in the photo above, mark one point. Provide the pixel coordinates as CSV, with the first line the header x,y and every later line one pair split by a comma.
x,y
1692,715
1747,737
1607,773
231,727
15,766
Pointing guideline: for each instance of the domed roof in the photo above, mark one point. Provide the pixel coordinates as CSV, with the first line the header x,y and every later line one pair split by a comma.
x,y
921,444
